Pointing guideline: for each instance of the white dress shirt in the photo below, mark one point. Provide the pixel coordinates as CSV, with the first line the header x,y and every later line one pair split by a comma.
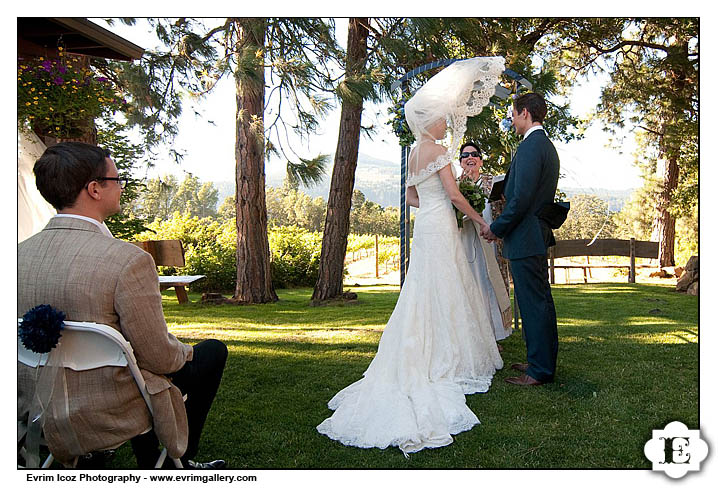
x,y
101,225
533,129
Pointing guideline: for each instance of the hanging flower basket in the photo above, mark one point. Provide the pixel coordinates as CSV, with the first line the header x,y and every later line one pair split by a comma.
x,y
61,97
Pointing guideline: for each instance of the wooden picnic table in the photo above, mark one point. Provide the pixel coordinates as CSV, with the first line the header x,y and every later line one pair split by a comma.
x,y
170,253
179,283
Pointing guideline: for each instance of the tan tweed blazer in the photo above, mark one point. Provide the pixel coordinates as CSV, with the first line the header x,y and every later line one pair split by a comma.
x,y
73,267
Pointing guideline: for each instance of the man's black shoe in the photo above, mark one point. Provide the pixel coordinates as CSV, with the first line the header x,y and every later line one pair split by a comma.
x,y
216,464
95,459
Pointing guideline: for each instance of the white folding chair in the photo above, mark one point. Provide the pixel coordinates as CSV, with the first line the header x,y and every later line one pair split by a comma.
x,y
88,345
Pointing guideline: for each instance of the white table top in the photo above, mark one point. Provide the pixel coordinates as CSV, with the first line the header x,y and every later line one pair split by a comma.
x,y
184,279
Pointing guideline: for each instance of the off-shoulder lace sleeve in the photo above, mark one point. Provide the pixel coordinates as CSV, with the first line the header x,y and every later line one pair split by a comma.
x,y
417,177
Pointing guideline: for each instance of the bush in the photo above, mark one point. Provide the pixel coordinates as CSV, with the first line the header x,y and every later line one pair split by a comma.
x,y
295,256
211,250
686,237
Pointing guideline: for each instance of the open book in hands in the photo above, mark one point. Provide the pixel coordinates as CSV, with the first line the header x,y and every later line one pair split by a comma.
x,y
497,187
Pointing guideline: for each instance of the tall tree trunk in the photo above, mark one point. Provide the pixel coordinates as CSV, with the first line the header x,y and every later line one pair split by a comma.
x,y
254,280
336,226
664,224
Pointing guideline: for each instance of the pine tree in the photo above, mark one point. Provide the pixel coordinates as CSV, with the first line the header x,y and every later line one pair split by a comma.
x,y
336,228
382,50
291,56
653,69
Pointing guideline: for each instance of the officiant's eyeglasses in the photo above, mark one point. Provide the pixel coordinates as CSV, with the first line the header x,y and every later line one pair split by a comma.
x,y
120,181
473,154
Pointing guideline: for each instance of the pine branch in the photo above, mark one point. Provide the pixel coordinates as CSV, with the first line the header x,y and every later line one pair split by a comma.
x,y
627,43
652,131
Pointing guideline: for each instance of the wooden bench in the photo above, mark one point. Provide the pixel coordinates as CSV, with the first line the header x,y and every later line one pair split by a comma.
x,y
602,247
170,253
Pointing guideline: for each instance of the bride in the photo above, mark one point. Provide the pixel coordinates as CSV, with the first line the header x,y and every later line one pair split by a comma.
x,y
438,344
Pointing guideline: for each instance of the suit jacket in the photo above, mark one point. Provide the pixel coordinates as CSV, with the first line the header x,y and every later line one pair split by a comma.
x,y
531,184
73,267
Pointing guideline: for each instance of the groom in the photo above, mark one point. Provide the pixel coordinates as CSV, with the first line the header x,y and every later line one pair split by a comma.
x,y
531,184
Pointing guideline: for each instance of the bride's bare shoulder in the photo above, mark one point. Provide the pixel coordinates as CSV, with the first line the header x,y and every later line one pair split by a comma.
x,y
429,151
436,149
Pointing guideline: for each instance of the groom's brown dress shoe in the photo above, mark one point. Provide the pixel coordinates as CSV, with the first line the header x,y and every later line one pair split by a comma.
x,y
523,380
520,367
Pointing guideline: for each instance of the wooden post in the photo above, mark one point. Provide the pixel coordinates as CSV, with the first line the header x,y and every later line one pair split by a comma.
x,y
552,270
181,294
376,253
632,253
588,261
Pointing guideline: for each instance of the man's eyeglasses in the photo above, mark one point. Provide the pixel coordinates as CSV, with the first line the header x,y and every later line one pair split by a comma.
x,y
120,181
473,154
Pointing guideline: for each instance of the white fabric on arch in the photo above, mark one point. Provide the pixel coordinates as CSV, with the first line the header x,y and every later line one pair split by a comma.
x,y
33,212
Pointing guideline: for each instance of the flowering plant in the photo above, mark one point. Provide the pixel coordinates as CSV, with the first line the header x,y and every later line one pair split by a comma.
x,y
41,328
59,96
398,121
473,194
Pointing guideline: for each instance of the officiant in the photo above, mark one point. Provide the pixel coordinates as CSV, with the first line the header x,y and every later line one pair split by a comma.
x,y
481,254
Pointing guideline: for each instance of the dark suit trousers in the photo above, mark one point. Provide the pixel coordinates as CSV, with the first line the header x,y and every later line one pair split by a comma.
x,y
199,380
538,315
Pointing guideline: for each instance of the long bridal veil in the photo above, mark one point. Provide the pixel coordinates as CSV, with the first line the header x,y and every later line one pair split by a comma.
x,y
459,91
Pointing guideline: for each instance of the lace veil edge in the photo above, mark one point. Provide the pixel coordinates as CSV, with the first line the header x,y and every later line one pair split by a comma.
x,y
459,91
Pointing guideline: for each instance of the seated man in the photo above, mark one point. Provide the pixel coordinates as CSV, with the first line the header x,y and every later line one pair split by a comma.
x,y
76,266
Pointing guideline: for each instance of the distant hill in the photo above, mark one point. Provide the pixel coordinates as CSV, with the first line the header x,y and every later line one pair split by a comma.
x,y
380,180
616,199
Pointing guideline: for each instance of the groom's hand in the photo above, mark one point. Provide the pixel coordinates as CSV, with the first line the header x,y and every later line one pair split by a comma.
x,y
483,229
487,234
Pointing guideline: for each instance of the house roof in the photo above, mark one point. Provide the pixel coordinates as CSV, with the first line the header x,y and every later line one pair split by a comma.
x,y
41,35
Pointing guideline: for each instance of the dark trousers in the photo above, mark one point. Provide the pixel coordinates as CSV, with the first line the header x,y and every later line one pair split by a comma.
x,y
199,380
538,315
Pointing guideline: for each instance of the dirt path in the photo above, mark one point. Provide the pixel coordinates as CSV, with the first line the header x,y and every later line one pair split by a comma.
x,y
363,272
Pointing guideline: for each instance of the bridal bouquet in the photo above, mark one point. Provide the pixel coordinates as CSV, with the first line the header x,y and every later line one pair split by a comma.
x,y
474,195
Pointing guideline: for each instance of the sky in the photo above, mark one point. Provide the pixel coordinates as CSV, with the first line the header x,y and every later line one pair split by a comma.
x,y
209,148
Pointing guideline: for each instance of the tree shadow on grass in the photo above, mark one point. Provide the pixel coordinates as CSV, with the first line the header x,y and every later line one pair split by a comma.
x,y
287,348
573,385
324,316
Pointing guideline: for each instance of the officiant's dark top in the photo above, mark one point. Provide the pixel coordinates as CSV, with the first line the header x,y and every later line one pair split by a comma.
x,y
531,184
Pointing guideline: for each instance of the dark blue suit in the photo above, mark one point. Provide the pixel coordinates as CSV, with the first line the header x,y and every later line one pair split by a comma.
x,y
531,184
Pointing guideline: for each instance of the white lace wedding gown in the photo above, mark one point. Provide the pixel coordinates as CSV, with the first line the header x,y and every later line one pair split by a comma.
x,y
437,346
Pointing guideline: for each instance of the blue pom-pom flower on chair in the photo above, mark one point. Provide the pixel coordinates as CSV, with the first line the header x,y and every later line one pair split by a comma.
x,y
41,328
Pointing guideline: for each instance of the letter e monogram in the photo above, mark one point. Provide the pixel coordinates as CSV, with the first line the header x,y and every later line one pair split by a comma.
x,y
673,445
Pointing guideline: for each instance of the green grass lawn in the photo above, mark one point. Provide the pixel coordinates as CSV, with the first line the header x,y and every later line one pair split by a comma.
x,y
627,364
